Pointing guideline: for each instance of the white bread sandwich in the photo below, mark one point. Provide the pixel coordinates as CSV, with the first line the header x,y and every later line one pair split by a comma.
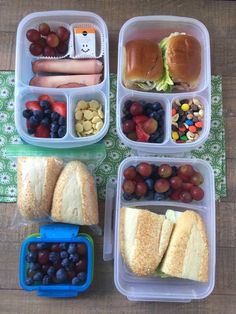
x,y
75,196
144,237
36,179
187,253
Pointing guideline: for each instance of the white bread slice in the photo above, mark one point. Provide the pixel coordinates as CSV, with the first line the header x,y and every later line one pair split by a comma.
x,y
144,237
75,196
187,253
36,179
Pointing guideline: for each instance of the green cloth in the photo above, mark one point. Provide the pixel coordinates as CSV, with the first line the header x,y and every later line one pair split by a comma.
x,y
213,150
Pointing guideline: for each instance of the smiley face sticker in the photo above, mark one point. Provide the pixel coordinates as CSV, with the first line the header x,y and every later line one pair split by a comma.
x,y
85,43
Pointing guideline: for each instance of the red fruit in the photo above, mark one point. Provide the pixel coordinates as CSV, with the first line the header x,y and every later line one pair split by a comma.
x,y
185,197
42,41
186,186
81,265
197,178
33,35
59,107
197,193
144,169
57,265
175,195
140,119
132,136
138,178
52,40
44,29
176,182
81,249
186,171
130,173
33,105
49,52
150,126
32,247
128,126
55,247
129,186
62,48
43,257
136,109
46,97
164,171
141,135
141,189
63,33
36,49
71,274
161,185
42,131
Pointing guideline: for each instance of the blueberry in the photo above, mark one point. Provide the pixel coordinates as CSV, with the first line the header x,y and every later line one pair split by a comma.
x,y
65,262
159,196
156,106
128,116
33,121
155,115
45,104
64,254
150,195
53,135
38,276
124,118
30,131
55,116
174,171
31,257
46,121
137,197
154,136
125,111
61,275
47,113
62,121
27,113
160,139
148,105
54,257
62,131
150,183
128,197
74,258
38,115
148,111
46,280
75,281
63,246
81,276
161,112
154,173
167,193
42,245
54,127
29,281
72,248
51,271
34,266
128,104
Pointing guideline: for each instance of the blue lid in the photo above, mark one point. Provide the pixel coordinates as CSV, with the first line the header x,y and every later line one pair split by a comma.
x,y
58,233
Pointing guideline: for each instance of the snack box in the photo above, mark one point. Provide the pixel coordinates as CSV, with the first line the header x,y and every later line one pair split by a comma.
x,y
71,20
156,28
154,288
57,233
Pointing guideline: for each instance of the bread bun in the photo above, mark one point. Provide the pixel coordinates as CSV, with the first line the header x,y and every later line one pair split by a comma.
x,y
142,62
36,179
75,196
183,56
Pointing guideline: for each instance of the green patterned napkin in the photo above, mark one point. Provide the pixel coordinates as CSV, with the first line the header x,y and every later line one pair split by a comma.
x,y
116,150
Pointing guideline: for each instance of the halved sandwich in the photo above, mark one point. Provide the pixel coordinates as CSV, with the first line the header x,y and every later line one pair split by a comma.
x,y
144,237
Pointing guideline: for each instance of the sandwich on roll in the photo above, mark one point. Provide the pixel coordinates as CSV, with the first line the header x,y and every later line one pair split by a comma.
x,y
182,62
143,64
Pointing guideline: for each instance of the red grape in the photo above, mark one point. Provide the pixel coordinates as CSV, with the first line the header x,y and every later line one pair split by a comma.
x,y
162,185
81,249
138,178
42,41
132,136
81,265
62,48
129,186
144,169
55,247
52,40
49,52
36,49
165,171
175,195
71,274
32,247
33,35
136,109
44,29
197,193
186,171
197,178
63,33
186,186
176,182
141,189
185,197
128,126
130,173
150,126
43,257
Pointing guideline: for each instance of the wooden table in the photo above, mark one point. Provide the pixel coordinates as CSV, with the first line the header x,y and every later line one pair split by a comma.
x,y
220,19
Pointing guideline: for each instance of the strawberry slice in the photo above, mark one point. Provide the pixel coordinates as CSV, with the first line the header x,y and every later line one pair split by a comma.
x,y
59,107
33,105
46,97
42,131
141,135
140,119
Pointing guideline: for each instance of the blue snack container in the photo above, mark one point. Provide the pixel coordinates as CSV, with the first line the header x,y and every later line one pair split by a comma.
x,y
57,233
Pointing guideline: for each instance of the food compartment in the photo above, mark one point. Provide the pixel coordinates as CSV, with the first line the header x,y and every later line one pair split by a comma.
x,y
41,130
143,120
156,28
88,116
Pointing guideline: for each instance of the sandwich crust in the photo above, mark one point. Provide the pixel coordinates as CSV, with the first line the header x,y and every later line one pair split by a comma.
x,y
143,61
183,56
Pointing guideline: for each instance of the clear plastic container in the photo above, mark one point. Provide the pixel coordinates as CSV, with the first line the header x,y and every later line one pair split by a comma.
x,y
156,28
155,288
25,92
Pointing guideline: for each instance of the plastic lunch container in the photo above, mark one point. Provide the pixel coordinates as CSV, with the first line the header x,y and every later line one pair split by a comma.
x,y
156,28
155,288
58,233
24,92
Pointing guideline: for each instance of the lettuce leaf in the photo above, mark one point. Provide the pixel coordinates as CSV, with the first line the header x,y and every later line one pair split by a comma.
x,y
146,85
